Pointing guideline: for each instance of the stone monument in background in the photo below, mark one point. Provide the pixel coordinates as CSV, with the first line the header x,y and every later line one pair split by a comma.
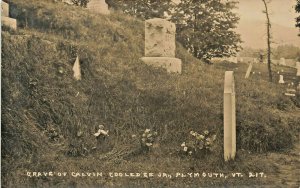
x,y
98,6
281,81
282,61
4,9
298,68
160,45
5,19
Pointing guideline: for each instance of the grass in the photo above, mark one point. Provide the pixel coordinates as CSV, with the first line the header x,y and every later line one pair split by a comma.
x,y
44,108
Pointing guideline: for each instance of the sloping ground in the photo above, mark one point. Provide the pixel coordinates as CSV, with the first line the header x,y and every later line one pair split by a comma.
x,y
48,118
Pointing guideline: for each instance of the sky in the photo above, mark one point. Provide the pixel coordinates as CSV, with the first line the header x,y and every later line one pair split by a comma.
x,y
252,21
282,12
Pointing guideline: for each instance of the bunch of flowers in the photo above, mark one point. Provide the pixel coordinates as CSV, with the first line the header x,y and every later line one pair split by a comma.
x,y
52,133
101,132
198,143
148,138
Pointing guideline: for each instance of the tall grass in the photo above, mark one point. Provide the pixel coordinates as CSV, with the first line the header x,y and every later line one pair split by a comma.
x,y
40,97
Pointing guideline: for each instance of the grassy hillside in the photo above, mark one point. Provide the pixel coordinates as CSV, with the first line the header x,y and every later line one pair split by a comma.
x,y
48,118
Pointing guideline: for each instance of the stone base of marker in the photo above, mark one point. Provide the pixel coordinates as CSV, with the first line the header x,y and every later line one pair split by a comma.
x,y
169,63
9,22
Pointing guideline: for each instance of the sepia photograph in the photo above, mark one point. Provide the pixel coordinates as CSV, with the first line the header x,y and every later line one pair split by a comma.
x,y
150,93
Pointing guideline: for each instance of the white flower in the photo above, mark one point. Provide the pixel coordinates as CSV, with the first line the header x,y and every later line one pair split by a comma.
x,y
206,132
96,134
148,144
183,144
133,136
214,137
190,152
185,148
147,130
101,132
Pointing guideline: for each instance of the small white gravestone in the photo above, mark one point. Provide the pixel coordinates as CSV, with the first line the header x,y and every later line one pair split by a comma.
x,y
298,68
255,60
234,60
98,6
249,70
281,81
282,61
76,69
160,45
229,117
9,22
4,9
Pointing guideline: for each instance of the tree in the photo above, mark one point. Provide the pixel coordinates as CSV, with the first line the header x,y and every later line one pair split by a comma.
x,y
297,8
268,40
205,28
82,3
144,9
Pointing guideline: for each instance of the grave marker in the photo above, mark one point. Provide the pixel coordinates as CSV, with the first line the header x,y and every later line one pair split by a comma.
x,y
160,45
229,117
281,81
9,22
298,68
4,9
282,61
249,70
76,69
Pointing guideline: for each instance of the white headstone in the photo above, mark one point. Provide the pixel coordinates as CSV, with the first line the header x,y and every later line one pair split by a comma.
x,y
281,81
298,68
249,70
229,117
98,6
4,9
160,45
282,61
9,22
76,69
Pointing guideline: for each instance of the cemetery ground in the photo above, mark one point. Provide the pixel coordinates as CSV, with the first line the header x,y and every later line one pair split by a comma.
x,y
49,119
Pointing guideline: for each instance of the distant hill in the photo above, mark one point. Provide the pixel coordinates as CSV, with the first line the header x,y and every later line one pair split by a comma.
x,y
253,34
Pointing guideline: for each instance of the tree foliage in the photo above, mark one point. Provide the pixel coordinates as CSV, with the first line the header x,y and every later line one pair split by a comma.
x,y
205,27
144,9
